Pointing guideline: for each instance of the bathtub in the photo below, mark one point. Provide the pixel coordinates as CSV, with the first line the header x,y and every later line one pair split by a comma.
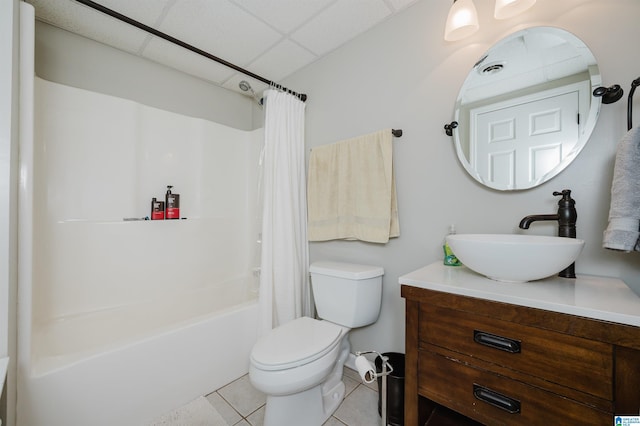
x,y
86,371
122,321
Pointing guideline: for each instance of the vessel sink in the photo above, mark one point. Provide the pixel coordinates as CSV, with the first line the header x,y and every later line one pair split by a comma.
x,y
513,257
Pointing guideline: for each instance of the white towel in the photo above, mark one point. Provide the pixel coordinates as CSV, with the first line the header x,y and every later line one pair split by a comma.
x,y
351,190
623,232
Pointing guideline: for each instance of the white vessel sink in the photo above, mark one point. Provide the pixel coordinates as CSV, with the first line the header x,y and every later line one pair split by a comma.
x,y
515,258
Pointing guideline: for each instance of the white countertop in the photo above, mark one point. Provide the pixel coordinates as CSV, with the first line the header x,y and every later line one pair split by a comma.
x,y
608,299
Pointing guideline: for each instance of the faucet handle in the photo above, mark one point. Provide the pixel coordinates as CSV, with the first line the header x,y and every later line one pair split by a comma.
x,y
566,200
566,194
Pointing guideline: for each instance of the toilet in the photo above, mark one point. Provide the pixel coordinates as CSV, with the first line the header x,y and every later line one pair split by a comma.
x,y
298,365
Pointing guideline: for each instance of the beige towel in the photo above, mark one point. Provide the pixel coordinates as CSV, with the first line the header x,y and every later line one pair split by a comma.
x,y
351,190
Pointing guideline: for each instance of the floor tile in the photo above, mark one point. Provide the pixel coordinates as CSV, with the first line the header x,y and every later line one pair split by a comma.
x,y
333,422
352,374
360,408
196,413
227,412
373,385
242,405
257,418
350,385
243,396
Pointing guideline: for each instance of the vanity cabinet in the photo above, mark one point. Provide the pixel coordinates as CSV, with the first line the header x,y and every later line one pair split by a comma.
x,y
504,363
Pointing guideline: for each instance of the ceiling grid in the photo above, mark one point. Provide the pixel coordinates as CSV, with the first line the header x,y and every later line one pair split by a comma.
x,y
273,39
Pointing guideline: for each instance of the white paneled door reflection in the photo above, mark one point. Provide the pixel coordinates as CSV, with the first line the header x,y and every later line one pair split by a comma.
x,y
518,142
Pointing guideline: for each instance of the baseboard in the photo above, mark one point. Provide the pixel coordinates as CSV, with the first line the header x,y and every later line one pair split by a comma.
x,y
351,362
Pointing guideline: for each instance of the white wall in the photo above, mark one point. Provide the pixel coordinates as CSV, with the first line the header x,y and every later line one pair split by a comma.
x,y
402,74
76,61
99,159
9,11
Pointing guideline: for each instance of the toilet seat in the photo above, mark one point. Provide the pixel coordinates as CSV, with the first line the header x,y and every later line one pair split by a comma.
x,y
295,343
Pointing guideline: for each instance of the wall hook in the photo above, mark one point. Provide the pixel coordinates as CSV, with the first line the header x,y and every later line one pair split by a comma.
x,y
609,94
449,127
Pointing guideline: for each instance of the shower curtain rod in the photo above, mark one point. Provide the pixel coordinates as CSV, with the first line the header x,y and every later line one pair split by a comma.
x,y
140,25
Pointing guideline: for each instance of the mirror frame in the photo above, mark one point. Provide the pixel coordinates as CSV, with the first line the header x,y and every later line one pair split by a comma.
x,y
592,117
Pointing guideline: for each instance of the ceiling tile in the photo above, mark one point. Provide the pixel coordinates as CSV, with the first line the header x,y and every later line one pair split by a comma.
x,y
76,18
174,56
220,28
401,4
282,60
146,11
340,22
272,38
284,15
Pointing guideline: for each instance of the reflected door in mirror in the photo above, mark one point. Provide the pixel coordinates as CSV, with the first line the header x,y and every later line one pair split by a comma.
x,y
515,144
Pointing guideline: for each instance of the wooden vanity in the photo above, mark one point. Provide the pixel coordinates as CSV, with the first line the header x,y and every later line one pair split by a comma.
x,y
551,352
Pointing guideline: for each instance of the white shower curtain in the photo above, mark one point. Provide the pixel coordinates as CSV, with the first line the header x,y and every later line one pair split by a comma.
x,y
284,276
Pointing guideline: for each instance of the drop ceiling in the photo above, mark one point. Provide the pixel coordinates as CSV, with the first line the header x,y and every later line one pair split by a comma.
x,y
271,38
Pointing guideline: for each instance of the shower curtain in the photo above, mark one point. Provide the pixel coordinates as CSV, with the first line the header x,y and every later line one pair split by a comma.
x,y
284,276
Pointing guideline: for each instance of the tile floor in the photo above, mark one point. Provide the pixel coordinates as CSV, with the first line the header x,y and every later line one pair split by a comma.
x,y
241,405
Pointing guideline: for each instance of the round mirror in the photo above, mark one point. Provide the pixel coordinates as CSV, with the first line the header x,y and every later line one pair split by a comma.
x,y
526,109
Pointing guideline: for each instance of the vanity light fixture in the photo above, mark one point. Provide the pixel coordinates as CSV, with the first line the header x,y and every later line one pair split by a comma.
x,y
462,20
506,9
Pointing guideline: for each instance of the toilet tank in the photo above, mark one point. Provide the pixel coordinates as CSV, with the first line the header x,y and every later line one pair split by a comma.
x,y
347,294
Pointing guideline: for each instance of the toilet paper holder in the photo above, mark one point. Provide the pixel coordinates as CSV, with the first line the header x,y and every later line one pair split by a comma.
x,y
368,374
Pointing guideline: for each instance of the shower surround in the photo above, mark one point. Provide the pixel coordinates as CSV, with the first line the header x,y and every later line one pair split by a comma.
x,y
126,320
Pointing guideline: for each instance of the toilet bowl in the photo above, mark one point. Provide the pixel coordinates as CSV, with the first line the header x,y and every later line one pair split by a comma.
x,y
296,356
299,365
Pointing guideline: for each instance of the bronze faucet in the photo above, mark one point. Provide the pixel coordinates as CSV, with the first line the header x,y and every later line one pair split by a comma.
x,y
566,217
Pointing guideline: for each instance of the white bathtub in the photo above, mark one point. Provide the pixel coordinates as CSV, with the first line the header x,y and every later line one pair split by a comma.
x,y
85,371
118,320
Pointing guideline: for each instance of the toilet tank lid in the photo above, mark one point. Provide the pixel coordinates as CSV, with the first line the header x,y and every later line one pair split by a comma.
x,y
346,270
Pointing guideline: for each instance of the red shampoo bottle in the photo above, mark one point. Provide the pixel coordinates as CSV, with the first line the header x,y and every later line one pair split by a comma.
x,y
172,204
157,209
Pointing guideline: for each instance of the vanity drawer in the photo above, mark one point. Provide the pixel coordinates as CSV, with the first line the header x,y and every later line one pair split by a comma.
x,y
496,400
574,362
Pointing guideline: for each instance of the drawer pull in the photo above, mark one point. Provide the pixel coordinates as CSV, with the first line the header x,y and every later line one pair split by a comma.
x,y
497,342
496,399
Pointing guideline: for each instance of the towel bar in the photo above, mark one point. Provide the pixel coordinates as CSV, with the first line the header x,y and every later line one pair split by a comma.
x,y
395,132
